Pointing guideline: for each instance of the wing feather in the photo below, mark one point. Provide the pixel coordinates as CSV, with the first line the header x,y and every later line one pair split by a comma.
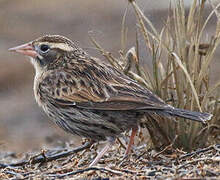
x,y
107,90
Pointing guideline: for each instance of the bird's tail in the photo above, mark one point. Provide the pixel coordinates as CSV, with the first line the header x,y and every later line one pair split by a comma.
x,y
196,116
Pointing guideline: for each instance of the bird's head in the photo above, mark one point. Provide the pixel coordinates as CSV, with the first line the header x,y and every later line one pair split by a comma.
x,y
47,50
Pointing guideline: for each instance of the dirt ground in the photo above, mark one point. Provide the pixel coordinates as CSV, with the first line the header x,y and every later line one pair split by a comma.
x,y
144,164
23,125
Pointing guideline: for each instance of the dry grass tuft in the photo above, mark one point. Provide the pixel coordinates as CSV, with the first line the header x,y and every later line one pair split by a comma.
x,y
181,60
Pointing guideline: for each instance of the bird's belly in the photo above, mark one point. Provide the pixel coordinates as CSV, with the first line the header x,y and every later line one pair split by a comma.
x,y
94,124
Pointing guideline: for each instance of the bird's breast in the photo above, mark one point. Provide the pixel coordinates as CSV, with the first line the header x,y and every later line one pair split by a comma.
x,y
37,93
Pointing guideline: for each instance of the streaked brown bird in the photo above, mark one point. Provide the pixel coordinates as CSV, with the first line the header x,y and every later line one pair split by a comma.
x,y
89,98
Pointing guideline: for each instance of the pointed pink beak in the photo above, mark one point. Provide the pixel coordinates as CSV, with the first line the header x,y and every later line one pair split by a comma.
x,y
25,49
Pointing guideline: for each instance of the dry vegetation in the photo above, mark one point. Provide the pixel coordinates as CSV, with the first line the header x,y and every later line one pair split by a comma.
x,y
181,59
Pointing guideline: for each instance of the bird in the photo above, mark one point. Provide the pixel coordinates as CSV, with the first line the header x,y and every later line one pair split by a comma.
x,y
88,97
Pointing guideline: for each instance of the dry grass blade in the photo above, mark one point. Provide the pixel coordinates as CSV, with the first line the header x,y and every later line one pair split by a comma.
x,y
216,43
131,58
188,78
139,79
142,26
113,61
124,31
141,15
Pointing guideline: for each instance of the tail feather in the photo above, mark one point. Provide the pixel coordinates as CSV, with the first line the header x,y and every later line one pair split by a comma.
x,y
196,116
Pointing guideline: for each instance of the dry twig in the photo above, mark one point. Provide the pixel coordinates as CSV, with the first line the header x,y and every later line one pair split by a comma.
x,y
47,157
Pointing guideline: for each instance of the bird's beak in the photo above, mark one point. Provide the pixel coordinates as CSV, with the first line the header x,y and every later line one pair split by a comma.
x,y
25,49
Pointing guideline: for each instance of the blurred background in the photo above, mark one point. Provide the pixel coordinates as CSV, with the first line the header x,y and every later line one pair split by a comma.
x,y
23,125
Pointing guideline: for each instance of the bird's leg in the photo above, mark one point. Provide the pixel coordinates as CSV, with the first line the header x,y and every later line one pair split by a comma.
x,y
109,144
131,141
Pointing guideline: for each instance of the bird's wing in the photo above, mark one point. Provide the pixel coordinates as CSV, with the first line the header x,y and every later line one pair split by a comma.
x,y
95,88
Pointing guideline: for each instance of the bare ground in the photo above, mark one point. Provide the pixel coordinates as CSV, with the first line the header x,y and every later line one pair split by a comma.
x,y
143,163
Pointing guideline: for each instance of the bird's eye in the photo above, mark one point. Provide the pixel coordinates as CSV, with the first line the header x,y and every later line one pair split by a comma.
x,y
44,48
